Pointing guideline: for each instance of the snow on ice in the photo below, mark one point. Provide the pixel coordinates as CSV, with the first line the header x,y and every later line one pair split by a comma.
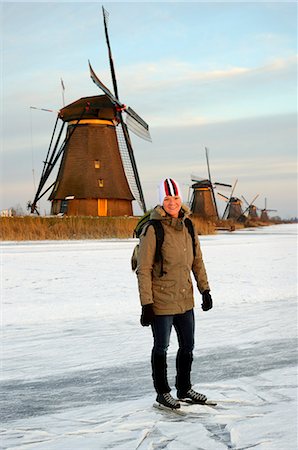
x,y
76,363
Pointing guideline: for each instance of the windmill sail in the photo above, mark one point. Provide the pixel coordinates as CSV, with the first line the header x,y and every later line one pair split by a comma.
x,y
129,171
134,122
53,155
137,125
113,74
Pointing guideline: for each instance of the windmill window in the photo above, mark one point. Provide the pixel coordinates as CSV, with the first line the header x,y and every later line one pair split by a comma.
x,y
100,183
63,206
97,164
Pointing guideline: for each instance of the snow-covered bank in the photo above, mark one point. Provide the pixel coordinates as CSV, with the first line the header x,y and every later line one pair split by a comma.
x,y
76,369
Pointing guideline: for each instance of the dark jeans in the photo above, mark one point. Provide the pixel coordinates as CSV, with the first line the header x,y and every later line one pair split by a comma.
x,y
184,325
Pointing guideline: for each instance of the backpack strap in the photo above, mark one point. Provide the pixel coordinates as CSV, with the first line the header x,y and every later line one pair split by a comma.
x,y
191,230
159,234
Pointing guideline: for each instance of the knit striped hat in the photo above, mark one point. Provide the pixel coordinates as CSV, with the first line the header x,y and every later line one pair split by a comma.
x,y
168,187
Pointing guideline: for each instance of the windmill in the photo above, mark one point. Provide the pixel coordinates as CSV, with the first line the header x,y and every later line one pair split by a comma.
x,y
233,209
203,202
98,174
251,208
264,213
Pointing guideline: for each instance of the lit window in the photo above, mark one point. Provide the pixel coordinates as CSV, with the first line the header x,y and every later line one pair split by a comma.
x,y
97,164
100,183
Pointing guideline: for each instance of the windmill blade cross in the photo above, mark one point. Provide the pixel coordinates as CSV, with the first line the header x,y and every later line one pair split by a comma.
x,y
254,199
246,209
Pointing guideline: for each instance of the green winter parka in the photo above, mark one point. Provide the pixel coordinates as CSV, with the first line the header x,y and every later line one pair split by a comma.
x,y
171,293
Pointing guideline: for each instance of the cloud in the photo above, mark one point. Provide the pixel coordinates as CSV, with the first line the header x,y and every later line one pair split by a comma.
x,y
174,73
179,93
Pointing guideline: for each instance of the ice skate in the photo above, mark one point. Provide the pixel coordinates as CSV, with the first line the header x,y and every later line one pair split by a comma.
x,y
192,396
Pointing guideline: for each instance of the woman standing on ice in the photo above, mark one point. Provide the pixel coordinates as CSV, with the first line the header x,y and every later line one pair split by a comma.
x,y
166,291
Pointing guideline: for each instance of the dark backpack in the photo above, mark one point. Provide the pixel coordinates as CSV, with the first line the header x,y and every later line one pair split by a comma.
x,y
159,234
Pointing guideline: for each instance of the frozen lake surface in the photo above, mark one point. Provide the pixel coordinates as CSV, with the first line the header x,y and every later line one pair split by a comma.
x,y
76,369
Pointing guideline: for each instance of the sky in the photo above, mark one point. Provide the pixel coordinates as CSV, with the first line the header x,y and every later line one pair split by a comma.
x,y
221,75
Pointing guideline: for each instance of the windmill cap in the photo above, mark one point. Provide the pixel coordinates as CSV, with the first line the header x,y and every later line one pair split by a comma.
x,y
168,187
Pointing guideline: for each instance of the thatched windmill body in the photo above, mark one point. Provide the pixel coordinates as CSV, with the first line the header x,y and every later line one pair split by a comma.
x,y
91,178
203,202
98,175
234,209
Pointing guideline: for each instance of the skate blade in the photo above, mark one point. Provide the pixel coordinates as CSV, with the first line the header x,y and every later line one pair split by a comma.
x,y
190,402
170,410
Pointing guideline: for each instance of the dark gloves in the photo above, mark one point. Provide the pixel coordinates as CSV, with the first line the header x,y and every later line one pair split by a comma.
x,y
147,315
207,301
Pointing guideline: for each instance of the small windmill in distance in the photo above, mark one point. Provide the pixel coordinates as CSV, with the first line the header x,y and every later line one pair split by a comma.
x,y
264,213
233,209
251,208
203,201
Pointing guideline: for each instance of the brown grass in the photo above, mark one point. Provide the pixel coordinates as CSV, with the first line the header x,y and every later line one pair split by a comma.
x,y
31,228
204,226
43,228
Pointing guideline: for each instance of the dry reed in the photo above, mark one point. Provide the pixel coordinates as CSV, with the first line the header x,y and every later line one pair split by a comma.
x,y
204,226
31,228
53,228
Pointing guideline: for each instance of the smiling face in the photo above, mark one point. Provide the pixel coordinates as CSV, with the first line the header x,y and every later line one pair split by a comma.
x,y
172,205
